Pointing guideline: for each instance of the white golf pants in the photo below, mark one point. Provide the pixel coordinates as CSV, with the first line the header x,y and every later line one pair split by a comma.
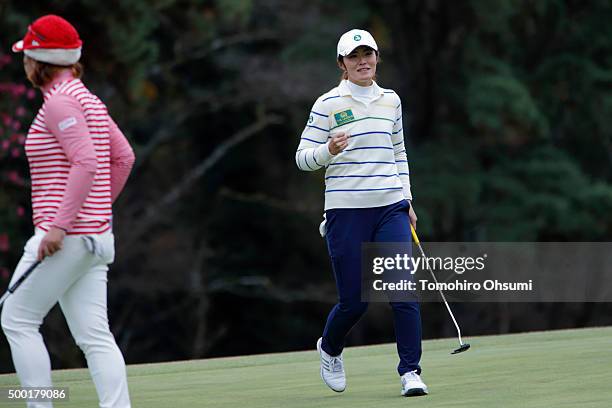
x,y
75,277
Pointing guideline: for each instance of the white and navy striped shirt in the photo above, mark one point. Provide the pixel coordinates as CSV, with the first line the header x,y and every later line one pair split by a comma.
x,y
373,170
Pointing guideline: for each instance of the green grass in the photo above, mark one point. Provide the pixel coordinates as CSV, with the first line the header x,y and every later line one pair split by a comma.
x,y
571,368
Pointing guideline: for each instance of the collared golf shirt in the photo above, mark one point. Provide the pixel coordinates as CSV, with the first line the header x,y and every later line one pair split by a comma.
x,y
373,169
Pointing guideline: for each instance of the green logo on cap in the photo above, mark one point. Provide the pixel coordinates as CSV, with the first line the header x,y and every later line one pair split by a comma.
x,y
357,37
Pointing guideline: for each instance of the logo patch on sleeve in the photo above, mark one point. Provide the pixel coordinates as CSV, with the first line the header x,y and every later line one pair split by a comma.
x,y
343,117
66,123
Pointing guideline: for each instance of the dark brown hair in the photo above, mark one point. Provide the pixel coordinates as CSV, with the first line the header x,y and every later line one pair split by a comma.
x,y
43,73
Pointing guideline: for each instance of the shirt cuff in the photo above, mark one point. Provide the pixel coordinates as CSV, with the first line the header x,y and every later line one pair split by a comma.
x,y
323,154
63,228
407,194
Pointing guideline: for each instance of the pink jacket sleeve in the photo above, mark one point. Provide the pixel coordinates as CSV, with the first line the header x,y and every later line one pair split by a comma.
x,y
64,118
122,159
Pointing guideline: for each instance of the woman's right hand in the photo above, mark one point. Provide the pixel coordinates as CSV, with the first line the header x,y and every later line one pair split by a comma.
x,y
338,142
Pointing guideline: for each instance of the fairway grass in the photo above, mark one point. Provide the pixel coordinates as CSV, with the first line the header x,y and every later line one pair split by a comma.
x,y
568,368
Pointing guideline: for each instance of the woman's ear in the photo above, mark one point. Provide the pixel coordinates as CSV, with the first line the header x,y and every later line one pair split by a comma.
x,y
342,68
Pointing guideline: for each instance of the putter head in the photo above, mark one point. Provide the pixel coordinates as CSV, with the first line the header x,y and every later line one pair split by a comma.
x,y
464,347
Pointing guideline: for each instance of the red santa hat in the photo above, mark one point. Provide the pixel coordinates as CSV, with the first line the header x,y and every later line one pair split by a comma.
x,y
51,39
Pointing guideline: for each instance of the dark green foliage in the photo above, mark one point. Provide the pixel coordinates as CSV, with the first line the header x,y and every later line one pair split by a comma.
x,y
506,114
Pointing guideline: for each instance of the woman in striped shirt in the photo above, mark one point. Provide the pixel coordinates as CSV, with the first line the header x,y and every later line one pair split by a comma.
x,y
355,132
79,162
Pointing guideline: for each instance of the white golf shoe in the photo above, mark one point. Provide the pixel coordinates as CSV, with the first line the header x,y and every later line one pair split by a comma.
x,y
412,385
332,369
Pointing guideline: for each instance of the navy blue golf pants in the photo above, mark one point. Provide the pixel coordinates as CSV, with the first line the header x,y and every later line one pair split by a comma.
x,y
347,229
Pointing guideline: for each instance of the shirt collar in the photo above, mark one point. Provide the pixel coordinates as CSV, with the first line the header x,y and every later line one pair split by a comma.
x,y
63,76
345,90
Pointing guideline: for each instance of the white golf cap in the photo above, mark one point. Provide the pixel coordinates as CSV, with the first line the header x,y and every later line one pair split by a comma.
x,y
353,39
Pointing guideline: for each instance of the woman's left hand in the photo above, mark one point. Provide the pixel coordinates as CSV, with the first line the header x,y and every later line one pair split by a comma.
x,y
51,242
413,216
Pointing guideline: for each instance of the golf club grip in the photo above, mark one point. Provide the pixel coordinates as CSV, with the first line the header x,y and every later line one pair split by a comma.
x,y
414,235
23,277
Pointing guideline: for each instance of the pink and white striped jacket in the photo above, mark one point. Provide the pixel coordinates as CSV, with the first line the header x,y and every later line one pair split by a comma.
x,y
70,152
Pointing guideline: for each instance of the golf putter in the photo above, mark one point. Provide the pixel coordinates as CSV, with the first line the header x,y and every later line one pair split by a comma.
x,y
15,285
462,346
